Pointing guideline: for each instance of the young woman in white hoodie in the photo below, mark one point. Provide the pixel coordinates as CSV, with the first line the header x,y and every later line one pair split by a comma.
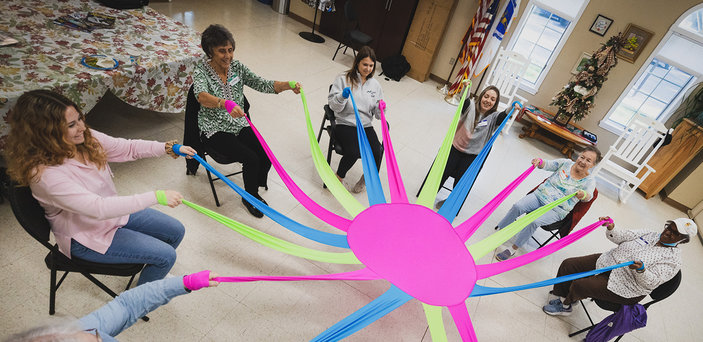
x,y
367,93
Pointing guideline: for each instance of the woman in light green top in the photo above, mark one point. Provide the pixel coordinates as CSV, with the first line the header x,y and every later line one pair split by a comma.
x,y
217,79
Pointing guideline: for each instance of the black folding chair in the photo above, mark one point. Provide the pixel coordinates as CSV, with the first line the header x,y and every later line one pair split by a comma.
x,y
333,145
31,217
193,138
353,37
662,292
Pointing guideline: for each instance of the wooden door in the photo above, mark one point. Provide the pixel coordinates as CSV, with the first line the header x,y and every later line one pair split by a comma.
x,y
386,21
398,17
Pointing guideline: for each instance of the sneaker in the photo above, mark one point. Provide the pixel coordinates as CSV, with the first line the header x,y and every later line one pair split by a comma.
x,y
439,204
506,254
252,210
556,301
360,186
557,310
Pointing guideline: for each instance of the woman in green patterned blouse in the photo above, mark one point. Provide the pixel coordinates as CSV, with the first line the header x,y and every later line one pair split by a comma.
x,y
219,78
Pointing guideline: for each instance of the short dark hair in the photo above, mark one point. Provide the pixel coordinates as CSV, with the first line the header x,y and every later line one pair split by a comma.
x,y
595,150
215,35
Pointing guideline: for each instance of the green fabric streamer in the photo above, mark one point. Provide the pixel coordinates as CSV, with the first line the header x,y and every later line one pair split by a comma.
x,y
434,320
429,191
350,204
161,197
276,243
490,243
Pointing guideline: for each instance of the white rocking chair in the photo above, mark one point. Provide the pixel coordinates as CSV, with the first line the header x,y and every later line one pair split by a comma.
x,y
625,163
505,73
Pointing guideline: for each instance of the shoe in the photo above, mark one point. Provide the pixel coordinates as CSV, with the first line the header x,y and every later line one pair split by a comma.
x,y
262,200
556,301
557,310
439,204
190,172
360,186
252,210
506,254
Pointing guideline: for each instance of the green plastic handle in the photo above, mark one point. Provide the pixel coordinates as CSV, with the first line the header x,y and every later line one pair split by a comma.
x,y
161,197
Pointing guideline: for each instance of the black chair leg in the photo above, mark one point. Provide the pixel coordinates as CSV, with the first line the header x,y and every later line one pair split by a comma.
x,y
322,127
52,292
423,181
130,282
542,244
329,159
335,53
212,187
589,319
550,239
99,284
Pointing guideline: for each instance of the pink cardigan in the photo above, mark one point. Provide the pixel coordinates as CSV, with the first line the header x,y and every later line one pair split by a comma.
x,y
81,202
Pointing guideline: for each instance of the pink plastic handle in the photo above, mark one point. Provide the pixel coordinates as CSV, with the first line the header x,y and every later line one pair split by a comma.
x,y
229,105
197,281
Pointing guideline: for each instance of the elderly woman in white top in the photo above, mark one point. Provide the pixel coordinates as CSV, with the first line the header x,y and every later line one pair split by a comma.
x,y
367,94
656,257
567,177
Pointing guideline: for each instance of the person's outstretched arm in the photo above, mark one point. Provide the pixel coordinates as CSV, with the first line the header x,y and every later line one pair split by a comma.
x,y
123,311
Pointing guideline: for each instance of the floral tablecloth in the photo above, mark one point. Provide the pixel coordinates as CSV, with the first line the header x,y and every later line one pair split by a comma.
x,y
49,55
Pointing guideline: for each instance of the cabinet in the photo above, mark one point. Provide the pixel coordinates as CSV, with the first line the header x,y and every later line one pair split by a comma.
x,y
386,21
686,143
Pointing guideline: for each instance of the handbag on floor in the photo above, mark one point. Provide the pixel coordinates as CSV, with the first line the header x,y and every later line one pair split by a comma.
x,y
628,318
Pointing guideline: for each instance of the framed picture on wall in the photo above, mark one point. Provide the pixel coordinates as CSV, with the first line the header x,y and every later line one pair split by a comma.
x,y
636,38
580,63
601,25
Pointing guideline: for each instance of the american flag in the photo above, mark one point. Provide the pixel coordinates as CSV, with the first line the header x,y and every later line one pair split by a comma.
x,y
477,33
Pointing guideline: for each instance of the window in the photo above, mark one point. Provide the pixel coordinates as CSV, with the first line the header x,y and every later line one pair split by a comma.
x,y
541,34
657,89
653,92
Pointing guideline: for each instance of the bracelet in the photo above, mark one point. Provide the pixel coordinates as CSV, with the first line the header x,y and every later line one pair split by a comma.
x,y
219,103
169,148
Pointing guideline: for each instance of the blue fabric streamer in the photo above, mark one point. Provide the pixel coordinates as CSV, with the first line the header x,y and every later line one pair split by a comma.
x,y
330,239
484,290
369,313
452,205
374,190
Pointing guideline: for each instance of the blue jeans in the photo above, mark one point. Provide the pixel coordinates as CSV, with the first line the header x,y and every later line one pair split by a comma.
x,y
149,237
525,205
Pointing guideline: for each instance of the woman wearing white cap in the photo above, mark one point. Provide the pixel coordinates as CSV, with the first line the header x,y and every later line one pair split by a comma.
x,y
656,257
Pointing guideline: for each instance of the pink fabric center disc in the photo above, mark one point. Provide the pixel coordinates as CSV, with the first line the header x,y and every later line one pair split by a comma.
x,y
415,249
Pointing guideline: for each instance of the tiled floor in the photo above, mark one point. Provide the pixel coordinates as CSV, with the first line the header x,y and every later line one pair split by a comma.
x,y
269,44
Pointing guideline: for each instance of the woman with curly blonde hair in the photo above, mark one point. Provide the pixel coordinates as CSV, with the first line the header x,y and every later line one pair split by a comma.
x,y
51,150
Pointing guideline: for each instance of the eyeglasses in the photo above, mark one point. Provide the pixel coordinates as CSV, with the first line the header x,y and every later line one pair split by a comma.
x,y
94,331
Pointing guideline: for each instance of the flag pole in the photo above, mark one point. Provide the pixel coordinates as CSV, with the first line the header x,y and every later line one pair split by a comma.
x,y
444,89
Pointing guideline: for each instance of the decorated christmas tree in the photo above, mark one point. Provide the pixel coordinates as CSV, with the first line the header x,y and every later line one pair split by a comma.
x,y
576,99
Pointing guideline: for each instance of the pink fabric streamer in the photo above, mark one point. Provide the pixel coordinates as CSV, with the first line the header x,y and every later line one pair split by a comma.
x,y
488,270
395,181
466,229
323,214
463,322
362,274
